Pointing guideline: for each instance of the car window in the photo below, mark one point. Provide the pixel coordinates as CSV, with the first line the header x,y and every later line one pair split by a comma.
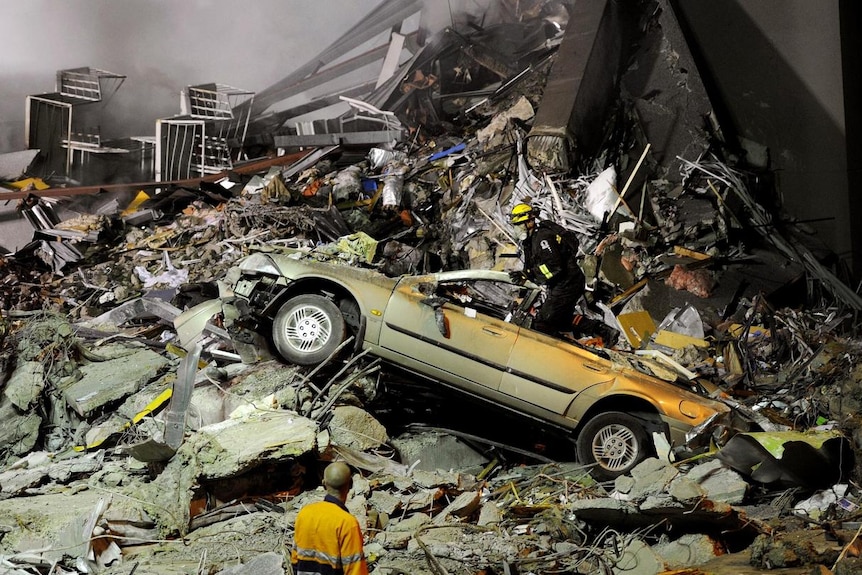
x,y
496,299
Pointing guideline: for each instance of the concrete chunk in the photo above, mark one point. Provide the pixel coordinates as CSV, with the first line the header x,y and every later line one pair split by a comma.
x,y
489,514
649,477
235,445
688,551
720,483
463,506
26,384
384,502
356,428
108,381
18,431
638,558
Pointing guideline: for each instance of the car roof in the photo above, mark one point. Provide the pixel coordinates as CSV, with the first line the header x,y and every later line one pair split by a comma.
x,y
473,274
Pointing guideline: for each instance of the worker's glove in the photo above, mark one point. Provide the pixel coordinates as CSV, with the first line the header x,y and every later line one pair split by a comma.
x,y
517,277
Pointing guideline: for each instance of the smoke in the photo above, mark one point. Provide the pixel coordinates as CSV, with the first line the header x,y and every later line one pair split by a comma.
x,y
161,46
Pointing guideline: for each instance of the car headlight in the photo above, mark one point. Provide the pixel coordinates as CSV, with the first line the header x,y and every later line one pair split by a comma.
x,y
694,410
258,264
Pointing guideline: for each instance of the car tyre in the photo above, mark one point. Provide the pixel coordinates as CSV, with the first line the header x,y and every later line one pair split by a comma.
x,y
613,443
307,329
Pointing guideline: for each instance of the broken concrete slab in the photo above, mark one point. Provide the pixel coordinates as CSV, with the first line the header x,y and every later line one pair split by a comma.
x,y
19,430
25,385
105,382
432,451
720,483
230,447
224,450
355,428
34,525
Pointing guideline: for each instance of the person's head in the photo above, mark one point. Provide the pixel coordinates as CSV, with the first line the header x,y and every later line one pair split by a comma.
x,y
523,218
337,479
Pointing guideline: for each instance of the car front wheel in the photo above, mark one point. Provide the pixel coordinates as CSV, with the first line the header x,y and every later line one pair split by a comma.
x,y
614,443
307,329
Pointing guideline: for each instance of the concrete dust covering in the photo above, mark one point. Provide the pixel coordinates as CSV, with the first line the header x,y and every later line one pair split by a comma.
x,y
90,357
134,370
31,524
232,446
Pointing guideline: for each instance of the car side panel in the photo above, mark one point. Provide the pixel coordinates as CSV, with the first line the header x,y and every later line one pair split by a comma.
x,y
678,408
548,373
447,379
476,349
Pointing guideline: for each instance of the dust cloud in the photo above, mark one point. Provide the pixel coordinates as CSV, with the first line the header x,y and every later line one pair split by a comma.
x,y
161,46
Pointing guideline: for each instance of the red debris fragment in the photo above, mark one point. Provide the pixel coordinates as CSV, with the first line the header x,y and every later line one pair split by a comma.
x,y
698,282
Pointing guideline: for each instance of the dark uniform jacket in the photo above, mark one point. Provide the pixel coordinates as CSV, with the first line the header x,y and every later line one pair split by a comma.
x,y
327,540
551,259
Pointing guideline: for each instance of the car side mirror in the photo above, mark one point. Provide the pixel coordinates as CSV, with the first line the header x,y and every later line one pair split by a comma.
x,y
442,322
440,317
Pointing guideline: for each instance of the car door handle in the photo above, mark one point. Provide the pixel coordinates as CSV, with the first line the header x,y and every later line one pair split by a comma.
x,y
596,368
493,332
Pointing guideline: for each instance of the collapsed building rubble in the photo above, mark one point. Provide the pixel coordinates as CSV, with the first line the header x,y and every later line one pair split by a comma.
x,y
130,445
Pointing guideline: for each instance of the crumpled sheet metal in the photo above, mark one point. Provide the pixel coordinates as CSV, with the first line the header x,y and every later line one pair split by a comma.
x,y
812,460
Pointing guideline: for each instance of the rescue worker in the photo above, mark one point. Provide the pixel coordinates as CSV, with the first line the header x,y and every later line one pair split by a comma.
x,y
550,253
327,538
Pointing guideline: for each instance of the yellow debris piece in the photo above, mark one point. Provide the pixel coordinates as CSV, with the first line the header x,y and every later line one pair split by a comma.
x,y
30,184
133,206
154,405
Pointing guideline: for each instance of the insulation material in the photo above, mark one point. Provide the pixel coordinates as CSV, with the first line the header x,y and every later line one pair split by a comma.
x,y
520,110
393,186
347,183
698,282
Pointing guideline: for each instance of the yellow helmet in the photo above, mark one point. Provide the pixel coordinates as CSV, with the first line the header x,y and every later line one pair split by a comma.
x,y
521,213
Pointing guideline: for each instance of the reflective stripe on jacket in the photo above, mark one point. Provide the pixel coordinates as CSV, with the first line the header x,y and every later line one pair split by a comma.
x,y
546,258
327,540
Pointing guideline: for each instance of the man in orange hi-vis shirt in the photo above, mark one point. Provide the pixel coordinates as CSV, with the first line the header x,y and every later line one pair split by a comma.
x,y
327,539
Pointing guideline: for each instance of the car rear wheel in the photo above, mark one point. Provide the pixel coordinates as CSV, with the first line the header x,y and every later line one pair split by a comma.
x,y
307,329
614,443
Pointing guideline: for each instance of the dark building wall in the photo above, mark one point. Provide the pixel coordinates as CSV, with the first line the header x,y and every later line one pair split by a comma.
x,y
779,69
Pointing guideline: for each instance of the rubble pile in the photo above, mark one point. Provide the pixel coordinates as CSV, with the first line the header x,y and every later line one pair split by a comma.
x,y
99,476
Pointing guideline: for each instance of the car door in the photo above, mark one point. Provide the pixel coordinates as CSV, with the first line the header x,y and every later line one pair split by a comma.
x,y
457,332
546,373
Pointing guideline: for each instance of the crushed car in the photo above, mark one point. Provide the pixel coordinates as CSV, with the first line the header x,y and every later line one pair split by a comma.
x,y
468,330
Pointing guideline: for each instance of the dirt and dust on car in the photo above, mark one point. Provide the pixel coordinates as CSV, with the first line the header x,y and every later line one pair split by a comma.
x,y
470,330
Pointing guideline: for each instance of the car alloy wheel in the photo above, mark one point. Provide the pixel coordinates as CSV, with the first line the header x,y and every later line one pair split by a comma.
x,y
307,329
615,442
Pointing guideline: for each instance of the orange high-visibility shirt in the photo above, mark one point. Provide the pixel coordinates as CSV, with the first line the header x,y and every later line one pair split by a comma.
x,y
327,540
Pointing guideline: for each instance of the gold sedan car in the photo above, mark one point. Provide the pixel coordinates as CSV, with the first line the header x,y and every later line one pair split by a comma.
x,y
469,330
